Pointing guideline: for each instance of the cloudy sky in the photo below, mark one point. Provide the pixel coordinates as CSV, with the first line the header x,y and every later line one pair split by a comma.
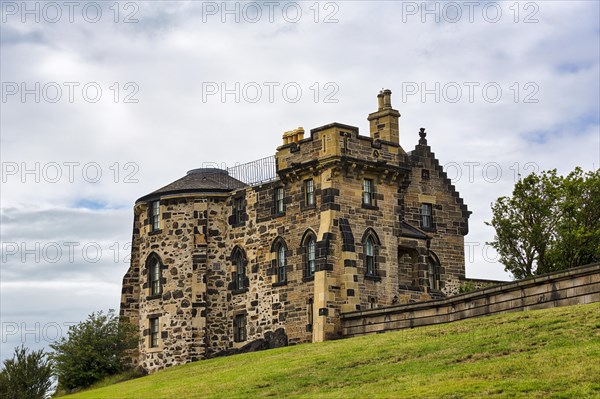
x,y
103,102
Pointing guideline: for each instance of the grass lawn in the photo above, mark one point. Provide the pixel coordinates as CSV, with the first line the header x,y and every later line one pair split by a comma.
x,y
553,353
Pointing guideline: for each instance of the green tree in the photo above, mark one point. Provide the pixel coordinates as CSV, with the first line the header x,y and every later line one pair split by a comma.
x,y
28,375
93,350
549,223
578,229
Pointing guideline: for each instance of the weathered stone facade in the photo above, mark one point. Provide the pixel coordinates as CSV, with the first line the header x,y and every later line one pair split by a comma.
x,y
347,222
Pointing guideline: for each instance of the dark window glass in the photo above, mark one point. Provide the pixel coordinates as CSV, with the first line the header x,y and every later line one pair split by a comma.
x,y
155,216
281,266
239,328
154,276
311,257
239,210
240,268
154,333
279,204
370,256
426,216
368,191
309,190
434,275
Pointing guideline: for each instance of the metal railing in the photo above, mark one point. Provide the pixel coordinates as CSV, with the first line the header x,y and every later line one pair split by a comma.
x,y
256,172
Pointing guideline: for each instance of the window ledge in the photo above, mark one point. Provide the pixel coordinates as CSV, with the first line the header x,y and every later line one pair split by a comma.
x,y
279,284
240,291
278,214
152,297
308,278
367,206
154,349
372,277
154,232
307,207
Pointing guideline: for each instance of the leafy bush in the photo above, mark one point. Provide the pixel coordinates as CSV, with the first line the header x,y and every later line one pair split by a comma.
x,y
94,349
28,375
467,286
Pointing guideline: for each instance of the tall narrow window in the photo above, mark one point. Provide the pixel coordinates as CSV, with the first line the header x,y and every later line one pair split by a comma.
x,y
281,266
311,258
239,210
309,192
240,269
279,204
154,332
310,312
368,191
434,275
426,216
154,276
370,256
239,328
155,215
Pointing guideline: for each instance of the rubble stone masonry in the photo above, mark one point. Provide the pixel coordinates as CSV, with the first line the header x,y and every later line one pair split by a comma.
x,y
237,272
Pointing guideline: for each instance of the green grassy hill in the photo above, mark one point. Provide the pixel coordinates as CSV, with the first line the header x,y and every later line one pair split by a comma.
x,y
552,353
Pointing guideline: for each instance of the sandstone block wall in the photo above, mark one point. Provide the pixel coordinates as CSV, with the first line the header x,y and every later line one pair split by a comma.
x,y
576,286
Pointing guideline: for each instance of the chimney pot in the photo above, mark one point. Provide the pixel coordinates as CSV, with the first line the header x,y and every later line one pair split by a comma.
x,y
387,99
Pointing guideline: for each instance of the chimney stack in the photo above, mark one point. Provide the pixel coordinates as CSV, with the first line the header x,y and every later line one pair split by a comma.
x,y
383,124
293,136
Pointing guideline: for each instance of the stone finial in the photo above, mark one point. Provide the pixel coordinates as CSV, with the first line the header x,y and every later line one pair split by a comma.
x,y
422,134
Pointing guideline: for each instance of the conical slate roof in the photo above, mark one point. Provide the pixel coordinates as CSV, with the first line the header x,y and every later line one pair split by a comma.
x,y
203,180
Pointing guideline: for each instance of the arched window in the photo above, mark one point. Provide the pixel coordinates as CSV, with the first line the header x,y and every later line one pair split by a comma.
x,y
370,251
279,252
154,274
309,244
311,260
239,276
281,264
370,256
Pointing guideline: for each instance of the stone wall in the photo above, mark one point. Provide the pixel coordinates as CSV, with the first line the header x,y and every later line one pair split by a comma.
x,y
576,286
201,234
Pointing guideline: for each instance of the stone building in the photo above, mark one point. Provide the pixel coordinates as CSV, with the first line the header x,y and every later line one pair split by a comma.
x,y
271,253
